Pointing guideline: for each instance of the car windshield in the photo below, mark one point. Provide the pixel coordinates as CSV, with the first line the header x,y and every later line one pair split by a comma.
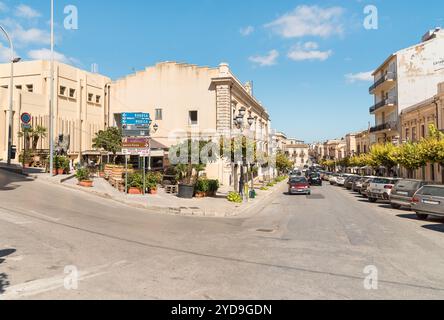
x,y
408,185
298,180
432,191
382,181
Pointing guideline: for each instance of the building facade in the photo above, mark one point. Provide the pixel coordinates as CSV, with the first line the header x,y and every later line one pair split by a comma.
x,y
298,152
415,123
406,78
189,101
81,100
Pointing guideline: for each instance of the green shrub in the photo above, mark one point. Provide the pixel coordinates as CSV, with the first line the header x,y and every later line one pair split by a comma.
x,y
152,179
213,186
83,174
264,189
234,197
202,185
270,184
135,180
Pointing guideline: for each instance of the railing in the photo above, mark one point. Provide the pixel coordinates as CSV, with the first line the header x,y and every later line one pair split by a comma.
x,y
384,78
383,103
386,126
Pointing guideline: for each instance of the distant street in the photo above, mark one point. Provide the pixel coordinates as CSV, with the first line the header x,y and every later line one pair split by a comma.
x,y
297,247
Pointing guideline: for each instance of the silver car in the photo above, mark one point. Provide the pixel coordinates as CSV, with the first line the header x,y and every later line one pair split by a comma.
x,y
380,189
429,201
403,192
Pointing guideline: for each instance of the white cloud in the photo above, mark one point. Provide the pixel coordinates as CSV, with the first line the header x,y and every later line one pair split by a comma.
x,y
308,51
45,54
5,54
23,37
309,21
361,76
24,11
267,60
246,31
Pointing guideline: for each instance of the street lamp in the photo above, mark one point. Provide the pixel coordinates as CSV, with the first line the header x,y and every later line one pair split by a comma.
x,y
239,122
11,93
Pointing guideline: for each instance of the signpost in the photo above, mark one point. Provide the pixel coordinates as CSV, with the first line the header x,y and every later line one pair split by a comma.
x,y
26,119
136,139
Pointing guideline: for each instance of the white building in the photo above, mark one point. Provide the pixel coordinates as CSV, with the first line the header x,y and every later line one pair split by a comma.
x,y
406,78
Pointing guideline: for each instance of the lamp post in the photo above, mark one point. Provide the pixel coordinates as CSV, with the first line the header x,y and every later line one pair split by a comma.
x,y
239,122
51,100
11,94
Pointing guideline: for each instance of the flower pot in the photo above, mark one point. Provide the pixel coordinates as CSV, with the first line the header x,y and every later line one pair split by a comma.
x,y
102,174
186,191
200,194
54,172
60,171
153,191
134,191
86,183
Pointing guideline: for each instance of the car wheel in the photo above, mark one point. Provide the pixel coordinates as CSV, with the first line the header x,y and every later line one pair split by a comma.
x,y
395,206
422,216
372,200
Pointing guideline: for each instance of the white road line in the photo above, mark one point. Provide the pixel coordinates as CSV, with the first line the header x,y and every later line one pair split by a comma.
x,y
36,287
11,218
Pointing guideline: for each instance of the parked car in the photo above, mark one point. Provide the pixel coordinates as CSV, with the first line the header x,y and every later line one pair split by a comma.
x,y
380,189
349,182
357,184
326,176
333,179
315,179
340,180
365,186
299,185
403,192
429,201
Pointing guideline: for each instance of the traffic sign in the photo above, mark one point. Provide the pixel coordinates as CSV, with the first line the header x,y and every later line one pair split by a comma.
x,y
136,133
136,119
135,143
26,118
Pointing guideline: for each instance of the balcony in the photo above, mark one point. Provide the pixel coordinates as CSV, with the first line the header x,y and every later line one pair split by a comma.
x,y
387,78
382,104
384,127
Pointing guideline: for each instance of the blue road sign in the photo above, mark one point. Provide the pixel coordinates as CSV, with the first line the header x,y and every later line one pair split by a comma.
x,y
26,118
136,119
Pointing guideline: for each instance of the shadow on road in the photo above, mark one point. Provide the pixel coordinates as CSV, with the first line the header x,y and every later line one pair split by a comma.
x,y
435,227
3,276
8,180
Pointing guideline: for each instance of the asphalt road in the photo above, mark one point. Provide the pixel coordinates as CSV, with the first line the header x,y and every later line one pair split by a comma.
x,y
297,247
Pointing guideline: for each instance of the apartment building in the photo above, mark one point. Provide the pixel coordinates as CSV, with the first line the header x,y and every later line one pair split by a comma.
x,y
351,146
405,78
81,99
298,152
362,142
415,122
192,101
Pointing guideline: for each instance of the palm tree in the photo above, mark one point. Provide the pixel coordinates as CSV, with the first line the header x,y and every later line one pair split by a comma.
x,y
37,134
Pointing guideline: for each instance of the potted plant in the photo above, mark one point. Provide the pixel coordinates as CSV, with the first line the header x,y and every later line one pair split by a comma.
x,y
26,158
202,188
153,179
83,176
186,165
135,184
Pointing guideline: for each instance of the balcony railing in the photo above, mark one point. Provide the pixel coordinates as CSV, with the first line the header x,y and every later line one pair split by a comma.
x,y
386,126
387,77
383,103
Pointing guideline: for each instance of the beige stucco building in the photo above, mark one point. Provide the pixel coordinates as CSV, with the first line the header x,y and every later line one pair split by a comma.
x,y
362,142
186,100
79,108
415,122
298,152
406,78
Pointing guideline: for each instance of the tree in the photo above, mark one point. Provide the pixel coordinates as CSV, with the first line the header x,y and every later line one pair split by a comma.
x,y
383,155
411,156
283,164
36,134
109,140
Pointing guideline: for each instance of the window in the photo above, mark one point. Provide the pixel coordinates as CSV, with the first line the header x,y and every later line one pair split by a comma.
x,y
423,131
414,136
98,98
30,88
407,134
193,118
5,87
72,93
18,87
159,114
62,91
90,97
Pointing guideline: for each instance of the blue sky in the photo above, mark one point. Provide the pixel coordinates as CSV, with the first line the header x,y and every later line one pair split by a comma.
x,y
309,60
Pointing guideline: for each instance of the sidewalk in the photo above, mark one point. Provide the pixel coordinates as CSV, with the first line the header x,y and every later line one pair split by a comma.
x,y
164,203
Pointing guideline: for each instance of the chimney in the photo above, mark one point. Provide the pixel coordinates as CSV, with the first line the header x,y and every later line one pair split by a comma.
x,y
224,69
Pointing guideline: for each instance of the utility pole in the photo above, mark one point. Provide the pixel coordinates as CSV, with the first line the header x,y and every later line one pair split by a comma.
x,y
51,101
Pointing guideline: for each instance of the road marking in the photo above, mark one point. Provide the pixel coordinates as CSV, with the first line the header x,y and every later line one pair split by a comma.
x,y
41,215
8,217
36,287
